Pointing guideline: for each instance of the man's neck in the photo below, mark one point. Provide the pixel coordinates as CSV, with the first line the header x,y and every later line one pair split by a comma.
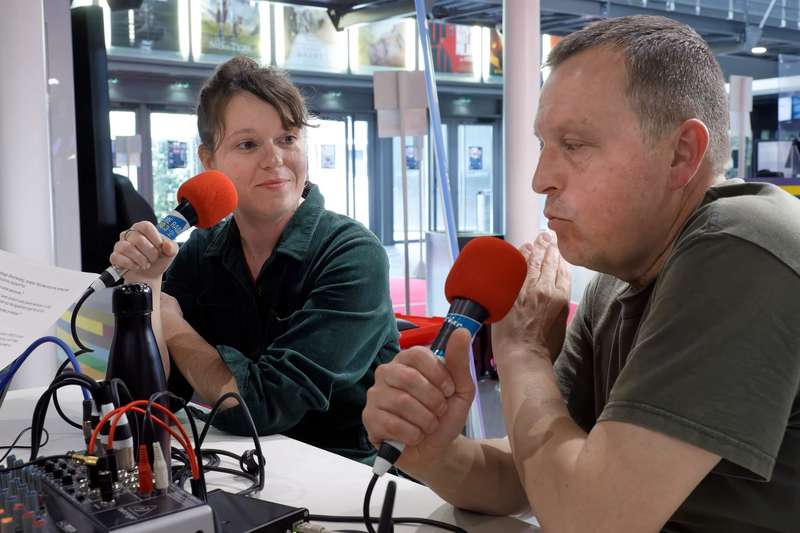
x,y
693,197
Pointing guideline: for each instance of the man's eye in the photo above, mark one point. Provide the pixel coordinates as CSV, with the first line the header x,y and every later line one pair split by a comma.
x,y
246,145
290,139
572,146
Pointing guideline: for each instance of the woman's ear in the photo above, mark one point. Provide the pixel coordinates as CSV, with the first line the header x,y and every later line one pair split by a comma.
x,y
206,157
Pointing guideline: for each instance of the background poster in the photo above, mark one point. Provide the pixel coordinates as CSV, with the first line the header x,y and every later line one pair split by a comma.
x,y
452,48
230,27
475,157
327,156
154,26
412,158
382,44
176,154
310,40
495,53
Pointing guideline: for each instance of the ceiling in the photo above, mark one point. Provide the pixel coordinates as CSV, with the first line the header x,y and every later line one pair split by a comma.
x,y
732,27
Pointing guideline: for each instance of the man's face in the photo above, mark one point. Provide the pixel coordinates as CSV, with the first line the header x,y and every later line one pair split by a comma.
x,y
606,185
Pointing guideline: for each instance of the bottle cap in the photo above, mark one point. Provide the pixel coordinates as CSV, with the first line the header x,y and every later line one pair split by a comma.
x,y
132,299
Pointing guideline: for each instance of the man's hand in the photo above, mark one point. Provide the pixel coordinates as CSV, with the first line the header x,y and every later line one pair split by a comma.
x,y
144,252
421,402
536,325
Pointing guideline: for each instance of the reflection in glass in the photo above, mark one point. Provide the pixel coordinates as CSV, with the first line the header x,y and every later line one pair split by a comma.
x,y
174,147
123,124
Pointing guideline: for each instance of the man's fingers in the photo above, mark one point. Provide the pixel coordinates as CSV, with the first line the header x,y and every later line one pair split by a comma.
x,y
563,278
409,381
457,360
427,364
383,426
405,406
549,270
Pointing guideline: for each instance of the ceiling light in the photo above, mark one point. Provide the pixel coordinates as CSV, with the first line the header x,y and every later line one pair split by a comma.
x,y
758,50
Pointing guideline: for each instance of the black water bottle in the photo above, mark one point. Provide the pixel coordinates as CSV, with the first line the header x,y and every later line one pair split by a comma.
x,y
135,359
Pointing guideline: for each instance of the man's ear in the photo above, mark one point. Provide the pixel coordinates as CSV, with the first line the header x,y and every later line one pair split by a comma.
x,y
689,146
206,157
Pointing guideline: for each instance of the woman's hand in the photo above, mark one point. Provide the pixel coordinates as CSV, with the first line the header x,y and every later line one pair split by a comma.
x,y
144,252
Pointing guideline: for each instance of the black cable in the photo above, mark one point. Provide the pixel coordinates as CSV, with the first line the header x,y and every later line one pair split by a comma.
x,y
73,327
367,498
253,431
40,411
368,521
116,383
73,321
57,405
29,463
14,444
233,472
400,520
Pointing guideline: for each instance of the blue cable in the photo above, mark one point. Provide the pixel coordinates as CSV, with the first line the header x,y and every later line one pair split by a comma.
x,y
8,373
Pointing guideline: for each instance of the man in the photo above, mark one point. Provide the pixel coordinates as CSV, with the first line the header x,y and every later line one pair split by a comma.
x,y
673,403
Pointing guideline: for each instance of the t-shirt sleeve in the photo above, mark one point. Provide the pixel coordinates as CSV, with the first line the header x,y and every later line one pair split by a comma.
x,y
574,366
716,362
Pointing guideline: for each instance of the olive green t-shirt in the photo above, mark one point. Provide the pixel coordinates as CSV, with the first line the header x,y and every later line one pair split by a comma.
x,y
709,353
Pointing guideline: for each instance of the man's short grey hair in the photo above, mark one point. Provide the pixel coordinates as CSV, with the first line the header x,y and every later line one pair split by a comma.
x,y
672,75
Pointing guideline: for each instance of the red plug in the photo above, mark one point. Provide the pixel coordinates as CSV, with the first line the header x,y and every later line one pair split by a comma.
x,y
145,472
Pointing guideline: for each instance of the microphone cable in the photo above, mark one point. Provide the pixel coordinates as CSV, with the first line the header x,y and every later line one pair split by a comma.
x,y
82,349
367,520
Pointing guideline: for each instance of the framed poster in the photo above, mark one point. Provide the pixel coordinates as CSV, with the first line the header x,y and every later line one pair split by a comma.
x,y
153,27
305,39
475,157
176,154
452,48
230,27
327,156
495,54
382,44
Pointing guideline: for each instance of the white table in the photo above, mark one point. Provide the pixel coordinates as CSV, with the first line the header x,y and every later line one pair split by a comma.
x,y
297,474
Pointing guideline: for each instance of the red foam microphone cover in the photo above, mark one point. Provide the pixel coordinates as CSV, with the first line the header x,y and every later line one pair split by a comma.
x,y
490,272
212,196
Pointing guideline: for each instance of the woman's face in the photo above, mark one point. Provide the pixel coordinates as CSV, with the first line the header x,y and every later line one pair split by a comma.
x,y
265,162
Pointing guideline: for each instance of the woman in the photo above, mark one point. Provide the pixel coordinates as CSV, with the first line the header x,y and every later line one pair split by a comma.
x,y
285,302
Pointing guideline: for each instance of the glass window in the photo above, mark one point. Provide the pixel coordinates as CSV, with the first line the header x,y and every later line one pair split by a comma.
x,y
174,147
305,39
224,28
412,155
475,177
385,44
126,146
327,165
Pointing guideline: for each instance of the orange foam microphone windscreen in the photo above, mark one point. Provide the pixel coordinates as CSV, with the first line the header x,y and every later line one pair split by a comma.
x,y
490,272
211,194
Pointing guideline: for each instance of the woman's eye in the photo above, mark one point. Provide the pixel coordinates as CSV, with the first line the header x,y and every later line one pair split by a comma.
x,y
246,145
290,139
572,146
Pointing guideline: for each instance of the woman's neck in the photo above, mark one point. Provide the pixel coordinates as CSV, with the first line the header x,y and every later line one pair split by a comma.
x,y
259,238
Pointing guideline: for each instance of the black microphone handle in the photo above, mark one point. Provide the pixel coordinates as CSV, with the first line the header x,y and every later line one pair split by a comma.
x,y
463,313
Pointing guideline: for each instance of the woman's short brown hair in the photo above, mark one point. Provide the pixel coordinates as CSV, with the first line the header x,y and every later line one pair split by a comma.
x,y
241,73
